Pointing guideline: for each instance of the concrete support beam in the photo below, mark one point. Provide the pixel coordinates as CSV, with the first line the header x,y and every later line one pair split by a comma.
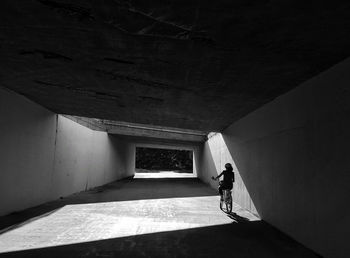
x,y
140,130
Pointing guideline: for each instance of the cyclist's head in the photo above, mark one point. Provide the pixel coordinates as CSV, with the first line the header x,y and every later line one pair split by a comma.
x,y
228,166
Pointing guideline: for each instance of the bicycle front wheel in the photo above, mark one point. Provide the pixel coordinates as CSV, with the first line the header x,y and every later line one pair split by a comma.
x,y
221,205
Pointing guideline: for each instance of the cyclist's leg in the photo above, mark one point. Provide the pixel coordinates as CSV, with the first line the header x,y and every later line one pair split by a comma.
x,y
222,188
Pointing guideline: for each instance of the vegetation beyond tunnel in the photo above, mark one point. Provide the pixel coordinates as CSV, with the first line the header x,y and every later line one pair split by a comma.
x,y
164,159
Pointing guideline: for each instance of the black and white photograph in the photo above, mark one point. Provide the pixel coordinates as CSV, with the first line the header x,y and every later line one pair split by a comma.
x,y
174,128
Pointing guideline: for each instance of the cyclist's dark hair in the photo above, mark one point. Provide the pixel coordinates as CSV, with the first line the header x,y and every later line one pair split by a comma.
x,y
228,166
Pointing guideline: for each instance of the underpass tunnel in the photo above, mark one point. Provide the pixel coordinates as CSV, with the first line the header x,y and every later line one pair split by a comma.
x,y
91,204
262,85
280,155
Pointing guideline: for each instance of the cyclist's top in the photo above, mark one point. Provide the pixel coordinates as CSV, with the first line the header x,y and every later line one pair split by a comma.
x,y
229,176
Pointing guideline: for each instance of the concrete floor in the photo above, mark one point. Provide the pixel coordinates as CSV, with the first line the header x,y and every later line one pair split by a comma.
x,y
143,217
164,174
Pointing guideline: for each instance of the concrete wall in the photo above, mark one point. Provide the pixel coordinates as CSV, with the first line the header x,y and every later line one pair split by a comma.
x,y
44,156
293,160
85,158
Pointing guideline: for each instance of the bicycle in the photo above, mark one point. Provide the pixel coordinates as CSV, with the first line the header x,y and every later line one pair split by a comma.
x,y
225,200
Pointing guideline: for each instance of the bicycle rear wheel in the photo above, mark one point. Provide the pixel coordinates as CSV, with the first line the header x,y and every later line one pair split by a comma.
x,y
229,205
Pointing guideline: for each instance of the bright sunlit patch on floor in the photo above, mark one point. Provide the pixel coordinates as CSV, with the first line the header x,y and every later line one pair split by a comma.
x,y
99,221
164,174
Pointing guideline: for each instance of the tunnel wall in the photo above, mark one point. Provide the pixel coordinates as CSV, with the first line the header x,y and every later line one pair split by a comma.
x,y
292,156
85,158
44,156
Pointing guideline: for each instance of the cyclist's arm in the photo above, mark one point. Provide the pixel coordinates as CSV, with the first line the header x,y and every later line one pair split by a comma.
x,y
219,175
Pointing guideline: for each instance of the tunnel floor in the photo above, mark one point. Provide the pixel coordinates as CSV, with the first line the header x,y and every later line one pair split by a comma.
x,y
142,217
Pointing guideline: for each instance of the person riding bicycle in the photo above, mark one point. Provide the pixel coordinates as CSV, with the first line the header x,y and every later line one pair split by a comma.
x,y
229,178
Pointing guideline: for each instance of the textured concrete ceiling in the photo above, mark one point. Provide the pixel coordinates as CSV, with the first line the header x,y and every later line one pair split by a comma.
x,y
185,64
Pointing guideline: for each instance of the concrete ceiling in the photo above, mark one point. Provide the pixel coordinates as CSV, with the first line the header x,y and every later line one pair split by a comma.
x,y
185,64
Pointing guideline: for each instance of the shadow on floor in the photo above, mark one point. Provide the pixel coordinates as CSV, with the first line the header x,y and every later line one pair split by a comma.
x,y
241,238
234,216
122,190
251,239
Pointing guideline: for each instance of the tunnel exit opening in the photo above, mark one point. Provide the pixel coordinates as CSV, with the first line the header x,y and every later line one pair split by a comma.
x,y
164,161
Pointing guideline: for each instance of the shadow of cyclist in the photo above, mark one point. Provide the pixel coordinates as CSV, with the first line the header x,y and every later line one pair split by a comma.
x,y
237,218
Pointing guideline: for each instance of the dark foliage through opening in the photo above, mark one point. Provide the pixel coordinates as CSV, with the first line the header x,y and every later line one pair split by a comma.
x,y
164,159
